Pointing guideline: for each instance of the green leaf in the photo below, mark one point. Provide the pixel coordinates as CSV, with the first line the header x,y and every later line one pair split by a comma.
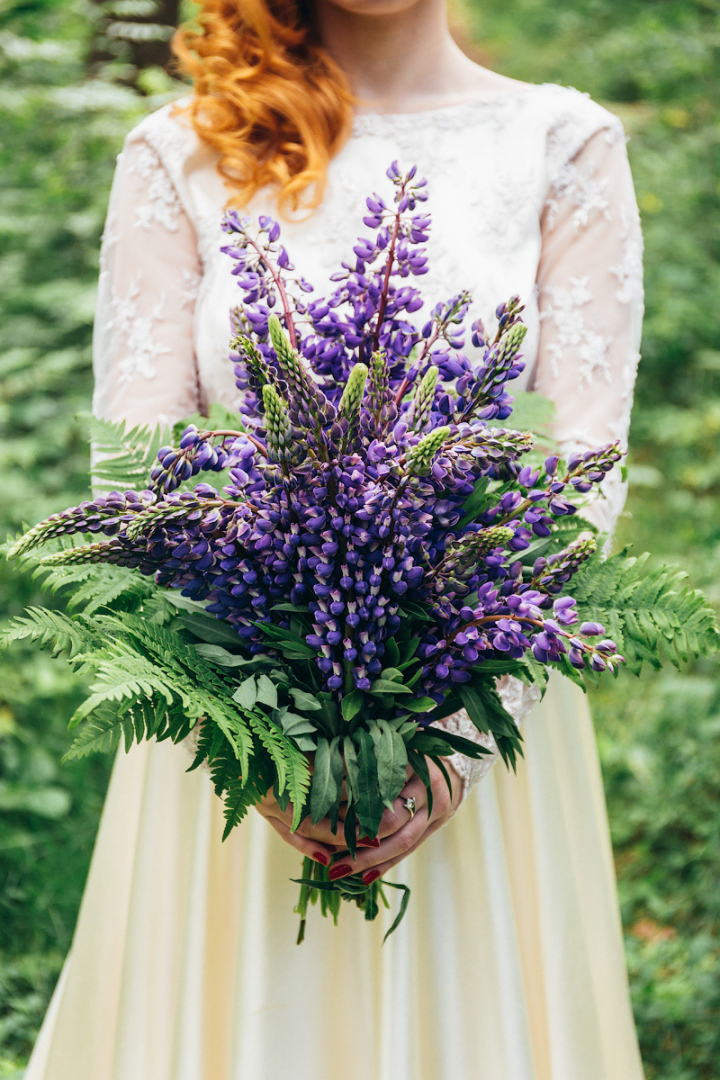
x,y
391,763
392,651
338,770
266,691
384,686
246,693
408,652
351,768
476,503
392,673
221,656
419,764
368,804
351,704
420,705
324,792
303,700
416,611
473,703
456,743
403,906
293,723
214,631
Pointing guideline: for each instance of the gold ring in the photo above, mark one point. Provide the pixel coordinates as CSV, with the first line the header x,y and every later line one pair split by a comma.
x,y
410,806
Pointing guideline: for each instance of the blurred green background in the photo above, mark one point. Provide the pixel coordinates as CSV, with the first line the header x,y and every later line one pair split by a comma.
x,y
75,75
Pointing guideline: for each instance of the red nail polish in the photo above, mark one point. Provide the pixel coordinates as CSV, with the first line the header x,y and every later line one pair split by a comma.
x,y
369,876
340,871
367,841
321,857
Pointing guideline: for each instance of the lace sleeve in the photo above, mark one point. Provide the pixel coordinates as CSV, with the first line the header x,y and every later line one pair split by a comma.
x,y
518,699
143,355
591,303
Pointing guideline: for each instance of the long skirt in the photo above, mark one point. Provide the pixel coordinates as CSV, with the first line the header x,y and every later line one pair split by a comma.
x,y
509,964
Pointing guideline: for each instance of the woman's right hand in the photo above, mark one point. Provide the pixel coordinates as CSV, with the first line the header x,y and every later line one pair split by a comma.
x,y
319,842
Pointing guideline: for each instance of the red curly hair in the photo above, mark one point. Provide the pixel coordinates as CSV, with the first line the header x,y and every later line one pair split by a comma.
x,y
267,97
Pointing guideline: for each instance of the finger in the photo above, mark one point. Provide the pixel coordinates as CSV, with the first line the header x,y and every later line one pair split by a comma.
x,y
398,844
378,871
310,848
320,833
394,819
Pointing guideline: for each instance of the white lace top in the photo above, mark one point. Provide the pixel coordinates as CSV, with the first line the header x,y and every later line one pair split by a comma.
x,y
530,193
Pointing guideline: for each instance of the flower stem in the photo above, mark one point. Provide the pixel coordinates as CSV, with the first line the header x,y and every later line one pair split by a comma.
x,y
284,299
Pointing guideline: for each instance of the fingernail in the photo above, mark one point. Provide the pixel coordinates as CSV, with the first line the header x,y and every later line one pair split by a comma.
x,y
321,857
369,876
367,841
340,871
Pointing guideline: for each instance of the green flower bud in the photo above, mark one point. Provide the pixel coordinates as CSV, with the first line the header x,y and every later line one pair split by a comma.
x,y
278,426
353,392
511,342
304,394
422,402
419,459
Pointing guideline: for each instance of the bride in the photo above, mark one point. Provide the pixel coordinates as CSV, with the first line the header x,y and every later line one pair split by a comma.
x,y
509,965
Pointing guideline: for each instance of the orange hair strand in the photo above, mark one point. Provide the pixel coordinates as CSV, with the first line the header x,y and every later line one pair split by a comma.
x,y
267,97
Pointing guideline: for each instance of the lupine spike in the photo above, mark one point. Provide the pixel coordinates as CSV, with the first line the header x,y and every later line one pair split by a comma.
x,y
550,575
88,517
279,428
353,393
424,397
419,459
379,398
304,394
467,550
155,517
509,345
111,551
258,370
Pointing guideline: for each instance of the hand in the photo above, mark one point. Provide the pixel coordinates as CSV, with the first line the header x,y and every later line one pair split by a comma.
x,y
400,834
319,842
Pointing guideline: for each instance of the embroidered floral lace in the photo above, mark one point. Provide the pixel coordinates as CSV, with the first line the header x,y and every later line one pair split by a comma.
x,y
531,193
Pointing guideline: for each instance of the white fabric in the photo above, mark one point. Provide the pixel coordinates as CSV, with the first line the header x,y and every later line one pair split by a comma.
x,y
509,965
519,701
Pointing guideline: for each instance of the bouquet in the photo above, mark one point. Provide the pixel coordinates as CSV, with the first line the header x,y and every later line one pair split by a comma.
x,y
382,549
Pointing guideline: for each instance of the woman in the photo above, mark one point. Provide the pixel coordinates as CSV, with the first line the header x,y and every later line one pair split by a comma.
x,y
509,965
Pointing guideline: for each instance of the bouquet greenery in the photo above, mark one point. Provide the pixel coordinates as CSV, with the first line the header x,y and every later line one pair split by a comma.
x,y
381,551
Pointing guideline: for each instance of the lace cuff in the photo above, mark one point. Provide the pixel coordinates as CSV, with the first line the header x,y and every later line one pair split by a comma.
x,y
518,699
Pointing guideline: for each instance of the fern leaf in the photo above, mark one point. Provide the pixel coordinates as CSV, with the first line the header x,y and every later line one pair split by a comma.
x,y
50,629
124,456
101,734
650,614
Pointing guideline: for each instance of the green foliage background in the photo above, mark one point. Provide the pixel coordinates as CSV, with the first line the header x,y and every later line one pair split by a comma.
x,y
63,114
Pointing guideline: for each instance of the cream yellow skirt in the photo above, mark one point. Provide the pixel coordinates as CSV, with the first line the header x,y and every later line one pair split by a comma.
x,y
509,965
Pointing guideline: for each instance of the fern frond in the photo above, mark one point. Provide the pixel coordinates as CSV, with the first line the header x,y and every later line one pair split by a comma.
x,y
649,614
238,799
98,586
101,734
127,676
50,629
298,783
124,455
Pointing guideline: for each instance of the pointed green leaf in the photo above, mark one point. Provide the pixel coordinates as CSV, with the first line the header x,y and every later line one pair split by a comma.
x,y
246,693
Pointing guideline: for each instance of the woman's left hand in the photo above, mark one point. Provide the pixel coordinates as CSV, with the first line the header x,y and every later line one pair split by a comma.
x,y
407,832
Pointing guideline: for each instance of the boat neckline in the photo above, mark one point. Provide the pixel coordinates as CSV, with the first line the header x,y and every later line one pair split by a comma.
x,y
470,103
